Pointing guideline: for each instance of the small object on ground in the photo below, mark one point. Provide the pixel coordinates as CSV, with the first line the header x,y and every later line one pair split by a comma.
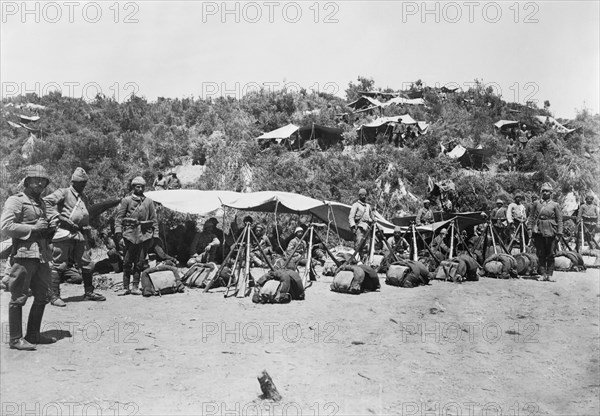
x,y
268,387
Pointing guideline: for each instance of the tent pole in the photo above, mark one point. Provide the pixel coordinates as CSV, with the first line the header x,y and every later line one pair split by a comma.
x,y
372,249
451,254
308,256
414,238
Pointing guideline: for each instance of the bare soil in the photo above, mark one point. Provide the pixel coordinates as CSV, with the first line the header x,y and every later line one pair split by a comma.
x,y
511,347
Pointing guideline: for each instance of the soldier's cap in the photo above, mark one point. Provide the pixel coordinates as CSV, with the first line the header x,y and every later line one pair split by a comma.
x,y
547,187
298,229
79,175
518,196
589,195
499,201
397,229
260,226
427,201
36,171
362,191
138,180
443,231
212,220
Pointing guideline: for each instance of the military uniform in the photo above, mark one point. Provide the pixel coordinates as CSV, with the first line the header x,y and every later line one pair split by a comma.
x,y
25,219
360,218
69,243
545,224
500,222
137,222
424,216
589,214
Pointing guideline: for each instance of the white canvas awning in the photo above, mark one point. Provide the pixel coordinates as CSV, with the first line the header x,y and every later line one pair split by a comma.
x,y
281,133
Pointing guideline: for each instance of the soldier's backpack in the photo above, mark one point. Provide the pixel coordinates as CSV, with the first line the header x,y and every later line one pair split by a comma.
x,y
349,279
453,270
527,264
417,275
396,274
472,267
161,280
200,274
568,261
279,286
500,266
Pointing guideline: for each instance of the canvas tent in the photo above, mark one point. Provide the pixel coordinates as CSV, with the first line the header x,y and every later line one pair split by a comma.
x,y
468,157
205,203
295,137
368,132
553,124
506,124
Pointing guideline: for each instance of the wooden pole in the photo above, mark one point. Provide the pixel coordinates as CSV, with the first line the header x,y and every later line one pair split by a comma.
x,y
308,257
450,255
414,238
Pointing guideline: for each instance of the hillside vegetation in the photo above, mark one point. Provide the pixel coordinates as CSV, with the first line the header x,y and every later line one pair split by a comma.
x,y
116,141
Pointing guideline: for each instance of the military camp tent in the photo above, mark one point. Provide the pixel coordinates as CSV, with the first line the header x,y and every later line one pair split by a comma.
x,y
295,137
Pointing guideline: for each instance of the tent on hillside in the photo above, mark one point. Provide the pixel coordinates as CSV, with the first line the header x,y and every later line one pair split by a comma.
x,y
550,122
473,158
502,125
367,133
296,137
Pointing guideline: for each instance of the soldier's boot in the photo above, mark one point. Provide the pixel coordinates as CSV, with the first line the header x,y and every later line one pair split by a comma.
x,y
550,270
134,285
115,267
126,280
542,272
54,290
88,285
15,328
34,324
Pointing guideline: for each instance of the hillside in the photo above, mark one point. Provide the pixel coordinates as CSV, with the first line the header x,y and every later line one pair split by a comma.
x,y
116,141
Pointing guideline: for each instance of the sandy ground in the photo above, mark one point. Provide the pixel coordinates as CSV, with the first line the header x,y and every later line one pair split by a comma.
x,y
511,347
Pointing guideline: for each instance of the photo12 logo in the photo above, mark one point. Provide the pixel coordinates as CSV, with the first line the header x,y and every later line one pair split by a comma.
x,y
120,91
69,408
270,12
268,332
69,11
469,11
238,90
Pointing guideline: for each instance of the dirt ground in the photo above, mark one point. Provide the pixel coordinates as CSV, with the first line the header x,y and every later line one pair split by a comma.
x,y
510,347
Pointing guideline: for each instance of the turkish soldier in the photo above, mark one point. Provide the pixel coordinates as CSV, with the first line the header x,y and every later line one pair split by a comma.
x,y
398,244
360,218
69,210
25,219
588,213
499,220
545,227
425,214
136,224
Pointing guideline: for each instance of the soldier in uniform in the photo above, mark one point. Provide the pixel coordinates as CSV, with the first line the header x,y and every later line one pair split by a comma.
x,y
499,220
360,218
136,224
68,208
398,244
588,213
425,214
26,221
439,247
516,214
545,227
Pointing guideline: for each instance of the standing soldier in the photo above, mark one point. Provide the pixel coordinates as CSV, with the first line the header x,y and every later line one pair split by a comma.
x,y
68,208
25,220
425,214
499,220
516,214
511,156
545,227
137,225
360,218
588,213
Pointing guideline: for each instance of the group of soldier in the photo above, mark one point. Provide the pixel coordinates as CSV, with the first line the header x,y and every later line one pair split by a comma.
x,y
540,225
52,234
